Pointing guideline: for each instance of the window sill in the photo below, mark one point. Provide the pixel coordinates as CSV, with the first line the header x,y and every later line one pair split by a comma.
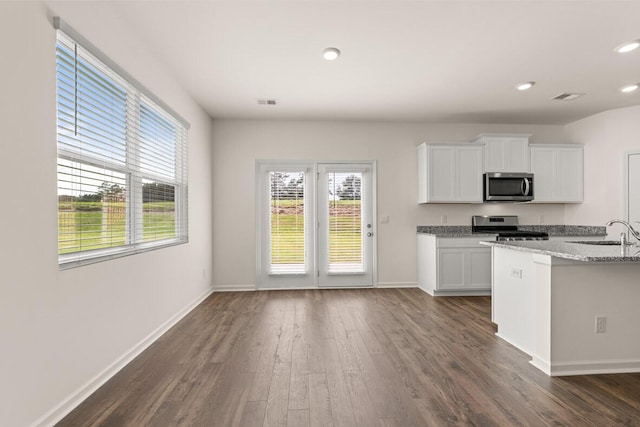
x,y
80,259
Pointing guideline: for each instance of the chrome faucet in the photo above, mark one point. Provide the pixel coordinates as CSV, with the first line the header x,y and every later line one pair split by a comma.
x,y
633,232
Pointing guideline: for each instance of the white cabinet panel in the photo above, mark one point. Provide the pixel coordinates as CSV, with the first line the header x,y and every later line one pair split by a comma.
x,y
453,266
449,173
505,153
442,173
558,173
544,175
469,173
479,268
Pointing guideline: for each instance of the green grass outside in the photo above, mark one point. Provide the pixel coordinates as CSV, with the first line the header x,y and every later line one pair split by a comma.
x,y
86,226
287,232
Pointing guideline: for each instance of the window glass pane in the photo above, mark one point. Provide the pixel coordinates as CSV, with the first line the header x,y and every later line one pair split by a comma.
x,y
157,143
345,222
158,211
287,222
92,109
91,207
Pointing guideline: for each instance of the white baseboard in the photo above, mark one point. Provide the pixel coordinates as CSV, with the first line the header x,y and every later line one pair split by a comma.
x,y
592,367
397,285
234,288
468,293
76,398
541,364
238,288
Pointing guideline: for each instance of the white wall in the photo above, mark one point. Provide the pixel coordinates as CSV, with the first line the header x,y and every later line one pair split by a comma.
x,y
59,329
238,143
607,137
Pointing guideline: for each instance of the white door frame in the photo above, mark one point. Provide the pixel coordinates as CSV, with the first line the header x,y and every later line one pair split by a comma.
x,y
262,194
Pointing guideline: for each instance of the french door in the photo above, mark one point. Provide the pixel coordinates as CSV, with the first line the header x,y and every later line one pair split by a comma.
x,y
315,224
345,225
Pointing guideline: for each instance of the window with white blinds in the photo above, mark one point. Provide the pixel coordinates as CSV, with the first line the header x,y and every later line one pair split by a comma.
x,y
287,234
122,160
346,251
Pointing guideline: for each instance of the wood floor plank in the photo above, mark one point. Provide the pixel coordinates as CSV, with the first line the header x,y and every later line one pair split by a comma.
x,y
298,418
348,358
299,391
285,341
267,358
374,357
390,422
341,405
319,401
253,414
365,410
278,398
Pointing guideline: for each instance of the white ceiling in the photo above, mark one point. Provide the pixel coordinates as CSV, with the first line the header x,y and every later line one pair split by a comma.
x,y
431,61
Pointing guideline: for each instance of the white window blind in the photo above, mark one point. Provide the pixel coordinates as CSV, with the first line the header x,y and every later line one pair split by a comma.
x,y
346,251
287,234
122,160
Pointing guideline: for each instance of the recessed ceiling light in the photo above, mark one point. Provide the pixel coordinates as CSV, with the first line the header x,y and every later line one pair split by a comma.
x,y
629,88
331,53
525,85
628,47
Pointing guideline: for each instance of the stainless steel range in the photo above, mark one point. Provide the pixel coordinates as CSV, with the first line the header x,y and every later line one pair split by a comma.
x,y
506,227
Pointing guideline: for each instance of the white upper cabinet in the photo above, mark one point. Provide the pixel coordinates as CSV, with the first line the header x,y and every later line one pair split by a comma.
x,y
505,152
558,173
449,173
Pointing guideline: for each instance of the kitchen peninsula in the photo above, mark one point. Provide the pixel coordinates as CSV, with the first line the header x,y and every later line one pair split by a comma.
x,y
451,261
573,307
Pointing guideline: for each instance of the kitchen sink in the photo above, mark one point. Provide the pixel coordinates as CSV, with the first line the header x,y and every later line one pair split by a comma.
x,y
601,242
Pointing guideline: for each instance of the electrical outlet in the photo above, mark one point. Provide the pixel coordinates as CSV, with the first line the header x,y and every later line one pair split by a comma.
x,y
443,219
384,220
601,324
541,219
516,272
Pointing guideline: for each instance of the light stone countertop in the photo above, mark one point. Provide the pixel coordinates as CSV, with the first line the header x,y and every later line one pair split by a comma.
x,y
553,230
574,251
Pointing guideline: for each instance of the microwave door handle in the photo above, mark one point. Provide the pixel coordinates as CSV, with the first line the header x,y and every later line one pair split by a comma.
x,y
527,187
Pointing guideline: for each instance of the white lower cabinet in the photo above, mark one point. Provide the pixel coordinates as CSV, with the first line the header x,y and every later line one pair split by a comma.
x,y
453,266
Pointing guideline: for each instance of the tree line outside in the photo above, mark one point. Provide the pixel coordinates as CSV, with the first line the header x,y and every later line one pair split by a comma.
x,y
98,220
284,186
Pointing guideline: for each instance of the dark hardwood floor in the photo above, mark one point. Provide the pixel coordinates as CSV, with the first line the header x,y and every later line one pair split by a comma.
x,y
375,357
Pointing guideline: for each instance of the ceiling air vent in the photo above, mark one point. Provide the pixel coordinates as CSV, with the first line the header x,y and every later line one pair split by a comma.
x,y
567,96
267,102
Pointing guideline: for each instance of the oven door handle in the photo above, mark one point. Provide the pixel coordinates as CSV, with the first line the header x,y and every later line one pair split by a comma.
x,y
525,186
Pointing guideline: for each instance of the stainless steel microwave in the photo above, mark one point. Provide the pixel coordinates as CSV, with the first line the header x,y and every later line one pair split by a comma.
x,y
508,187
